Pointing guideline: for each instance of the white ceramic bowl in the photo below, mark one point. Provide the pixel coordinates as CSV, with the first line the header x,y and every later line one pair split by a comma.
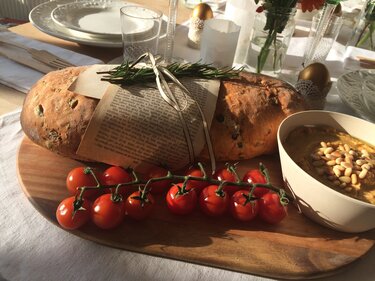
x,y
316,200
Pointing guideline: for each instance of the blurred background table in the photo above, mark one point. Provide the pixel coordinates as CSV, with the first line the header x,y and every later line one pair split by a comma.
x,y
11,99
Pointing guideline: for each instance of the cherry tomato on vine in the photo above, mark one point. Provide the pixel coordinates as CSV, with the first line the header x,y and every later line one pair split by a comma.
x,y
79,177
139,208
161,186
224,174
195,184
242,209
116,175
106,212
181,204
256,176
64,213
271,209
211,203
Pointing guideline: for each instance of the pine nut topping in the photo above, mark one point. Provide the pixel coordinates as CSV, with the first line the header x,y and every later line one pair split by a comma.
x,y
328,150
348,172
360,162
336,154
354,178
344,166
363,174
339,160
341,168
365,153
331,163
336,171
345,179
330,157
366,166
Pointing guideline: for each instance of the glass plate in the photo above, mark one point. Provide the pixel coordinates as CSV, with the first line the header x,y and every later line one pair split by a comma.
x,y
41,18
349,86
96,18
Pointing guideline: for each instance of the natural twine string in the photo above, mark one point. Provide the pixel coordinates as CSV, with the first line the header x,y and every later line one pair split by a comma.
x,y
171,99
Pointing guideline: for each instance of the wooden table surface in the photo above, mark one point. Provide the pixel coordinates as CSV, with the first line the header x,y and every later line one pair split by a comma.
x,y
10,99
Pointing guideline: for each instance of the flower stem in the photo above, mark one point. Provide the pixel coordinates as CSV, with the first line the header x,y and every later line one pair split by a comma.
x,y
262,57
363,38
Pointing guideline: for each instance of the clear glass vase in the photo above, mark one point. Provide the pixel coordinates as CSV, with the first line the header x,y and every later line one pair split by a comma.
x,y
363,35
272,31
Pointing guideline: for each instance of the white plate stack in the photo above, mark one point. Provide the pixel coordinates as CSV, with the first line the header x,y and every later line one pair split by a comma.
x,y
94,23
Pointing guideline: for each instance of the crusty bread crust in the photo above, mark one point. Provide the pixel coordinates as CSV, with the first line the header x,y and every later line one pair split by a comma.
x,y
54,117
248,113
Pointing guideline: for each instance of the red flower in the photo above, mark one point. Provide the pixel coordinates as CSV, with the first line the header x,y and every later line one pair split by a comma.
x,y
309,5
260,9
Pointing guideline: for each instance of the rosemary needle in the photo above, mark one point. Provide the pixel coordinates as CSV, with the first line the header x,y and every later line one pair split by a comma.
x,y
127,73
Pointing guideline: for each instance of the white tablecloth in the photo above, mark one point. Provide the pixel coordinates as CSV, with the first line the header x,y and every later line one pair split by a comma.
x,y
31,248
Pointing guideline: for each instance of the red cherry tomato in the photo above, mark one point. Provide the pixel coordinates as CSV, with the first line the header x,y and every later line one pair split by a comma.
x,y
195,184
241,209
64,213
211,203
256,176
106,213
270,208
116,175
181,204
158,187
224,174
79,177
139,209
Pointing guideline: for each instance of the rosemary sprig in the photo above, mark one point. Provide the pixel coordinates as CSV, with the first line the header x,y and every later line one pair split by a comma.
x,y
127,73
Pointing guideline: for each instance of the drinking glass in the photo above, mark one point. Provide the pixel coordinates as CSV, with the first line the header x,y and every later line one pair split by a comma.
x,y
140,28
319,52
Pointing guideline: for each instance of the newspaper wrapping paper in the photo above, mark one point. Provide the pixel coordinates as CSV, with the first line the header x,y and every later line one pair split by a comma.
x,y
135,149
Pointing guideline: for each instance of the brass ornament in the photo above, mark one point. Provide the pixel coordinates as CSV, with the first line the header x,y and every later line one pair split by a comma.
x,y
317,73
314,83
200,13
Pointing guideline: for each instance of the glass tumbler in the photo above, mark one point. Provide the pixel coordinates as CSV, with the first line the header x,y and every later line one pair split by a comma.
x,y
272,32
322,49
140,27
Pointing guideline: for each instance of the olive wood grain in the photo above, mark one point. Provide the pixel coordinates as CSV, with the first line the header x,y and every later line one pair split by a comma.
x,y
296,248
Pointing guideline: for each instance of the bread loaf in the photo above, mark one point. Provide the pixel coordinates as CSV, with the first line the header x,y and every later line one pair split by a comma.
x,y
248,113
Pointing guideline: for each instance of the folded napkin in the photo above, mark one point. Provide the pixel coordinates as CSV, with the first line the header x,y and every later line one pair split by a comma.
x,y
21,77
356,58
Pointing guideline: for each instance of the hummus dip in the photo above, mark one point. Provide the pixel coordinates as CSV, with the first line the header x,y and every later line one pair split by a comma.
x,y
335,158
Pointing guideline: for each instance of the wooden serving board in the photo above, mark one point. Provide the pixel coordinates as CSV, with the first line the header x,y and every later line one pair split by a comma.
x,y
296,248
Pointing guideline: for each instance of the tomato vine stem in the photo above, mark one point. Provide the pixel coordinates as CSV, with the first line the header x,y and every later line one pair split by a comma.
x,y
179,178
